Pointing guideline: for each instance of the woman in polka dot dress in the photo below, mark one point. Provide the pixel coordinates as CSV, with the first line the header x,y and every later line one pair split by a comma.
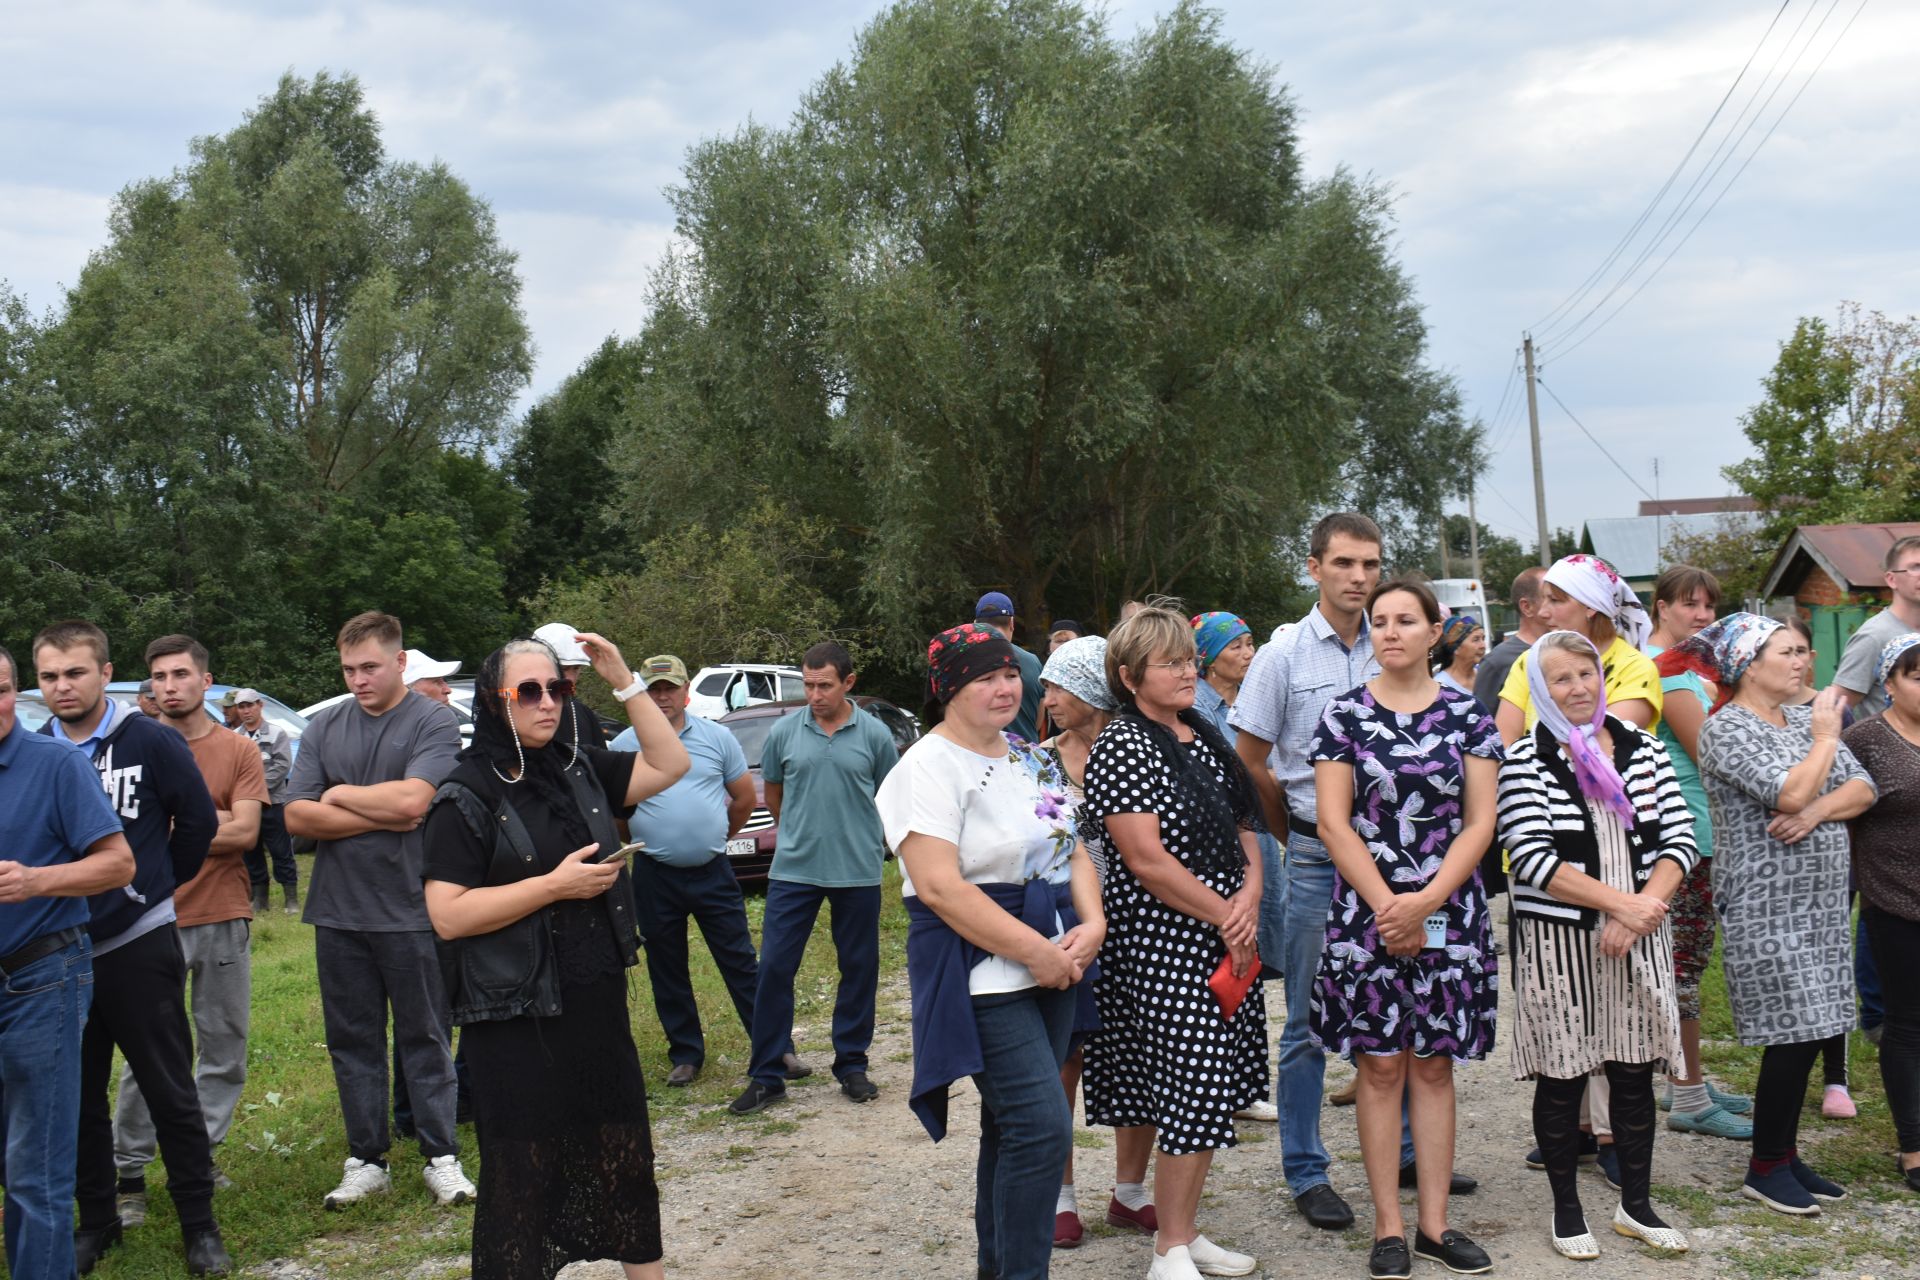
x,y
1182,893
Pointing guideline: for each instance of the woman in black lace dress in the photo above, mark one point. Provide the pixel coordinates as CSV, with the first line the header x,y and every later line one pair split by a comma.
x,y
541,940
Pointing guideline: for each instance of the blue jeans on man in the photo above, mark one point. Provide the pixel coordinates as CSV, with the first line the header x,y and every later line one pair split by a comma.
x,y
1026,1127
43,1010
786,925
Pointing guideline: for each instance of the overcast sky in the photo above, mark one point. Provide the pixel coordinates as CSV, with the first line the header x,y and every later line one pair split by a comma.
x,y
1523,140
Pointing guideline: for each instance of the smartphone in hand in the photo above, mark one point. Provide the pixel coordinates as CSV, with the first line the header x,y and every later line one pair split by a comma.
x,y
623,852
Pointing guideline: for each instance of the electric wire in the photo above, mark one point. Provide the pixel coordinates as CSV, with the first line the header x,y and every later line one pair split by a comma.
x,y
1595,439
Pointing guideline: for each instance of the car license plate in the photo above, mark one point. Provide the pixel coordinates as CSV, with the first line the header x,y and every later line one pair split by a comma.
x,y
741,848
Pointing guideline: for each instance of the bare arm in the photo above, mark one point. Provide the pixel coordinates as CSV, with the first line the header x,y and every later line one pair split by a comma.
x,y
663,757
399,804
934,868
775,791
739,803
1685,716
107,864
1634,711
1136,837
239,828
1511,721
459,912
1253,752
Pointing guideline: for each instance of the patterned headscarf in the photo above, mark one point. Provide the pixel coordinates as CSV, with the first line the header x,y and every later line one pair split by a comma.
x,y
1891,654
1592,582
1213,632
1592,767
1080,667
1721,651
960,655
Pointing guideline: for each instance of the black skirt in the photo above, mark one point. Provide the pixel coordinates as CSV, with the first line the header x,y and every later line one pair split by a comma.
x,y
566,1153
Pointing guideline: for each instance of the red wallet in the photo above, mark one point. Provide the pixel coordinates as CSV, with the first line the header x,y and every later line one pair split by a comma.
x,y
1229,990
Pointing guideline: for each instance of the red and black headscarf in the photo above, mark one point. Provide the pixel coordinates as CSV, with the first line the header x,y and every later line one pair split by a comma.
x,y
960,655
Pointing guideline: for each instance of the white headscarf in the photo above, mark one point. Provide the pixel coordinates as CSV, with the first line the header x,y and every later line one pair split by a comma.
x,y
1080,667
1592,582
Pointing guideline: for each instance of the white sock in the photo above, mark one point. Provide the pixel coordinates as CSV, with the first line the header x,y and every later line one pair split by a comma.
x,y
1132,1194
1840,1089
1690,1099
1068,1201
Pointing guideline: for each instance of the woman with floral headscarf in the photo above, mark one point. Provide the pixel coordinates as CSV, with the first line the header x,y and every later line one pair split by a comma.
x,y
1004,923
1780,787
1463,642
1583,594
1600,837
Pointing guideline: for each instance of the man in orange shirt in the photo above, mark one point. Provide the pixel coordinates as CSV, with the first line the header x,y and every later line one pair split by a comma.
x,y
215,914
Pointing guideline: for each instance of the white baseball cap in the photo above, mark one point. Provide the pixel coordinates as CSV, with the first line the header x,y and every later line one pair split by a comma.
x,y
421,667
561,637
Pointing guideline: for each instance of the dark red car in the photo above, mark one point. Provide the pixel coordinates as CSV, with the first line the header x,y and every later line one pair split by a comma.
x,y
751,851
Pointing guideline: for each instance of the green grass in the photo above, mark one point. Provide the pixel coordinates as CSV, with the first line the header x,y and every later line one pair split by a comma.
x,y
287,1143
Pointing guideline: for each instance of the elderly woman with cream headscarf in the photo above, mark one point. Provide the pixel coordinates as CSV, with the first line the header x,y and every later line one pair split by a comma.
x,y
1600,837
1780,787
1583,594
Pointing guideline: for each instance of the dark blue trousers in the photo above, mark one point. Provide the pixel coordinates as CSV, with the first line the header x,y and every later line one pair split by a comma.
x,y
665,897
791,911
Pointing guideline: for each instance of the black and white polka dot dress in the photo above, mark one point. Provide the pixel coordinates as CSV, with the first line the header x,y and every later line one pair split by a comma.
x,y
1163,1055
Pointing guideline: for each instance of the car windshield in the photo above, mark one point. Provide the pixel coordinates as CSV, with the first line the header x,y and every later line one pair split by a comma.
x,y
752,732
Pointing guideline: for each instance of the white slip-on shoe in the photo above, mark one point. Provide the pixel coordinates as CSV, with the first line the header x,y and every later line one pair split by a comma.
x,y
1259,1109
1175,1264
1209,1259
1667,1239
448,1181
1581,1248
360,1180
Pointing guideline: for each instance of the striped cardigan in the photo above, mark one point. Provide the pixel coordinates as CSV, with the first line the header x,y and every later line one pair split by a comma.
x,y
1544,822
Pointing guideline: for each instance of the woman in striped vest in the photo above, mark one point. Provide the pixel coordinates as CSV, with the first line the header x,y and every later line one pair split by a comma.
x,y
1600,838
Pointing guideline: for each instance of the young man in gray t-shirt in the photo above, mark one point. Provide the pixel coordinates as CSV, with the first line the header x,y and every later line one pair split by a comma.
x,y
1857,674
361,785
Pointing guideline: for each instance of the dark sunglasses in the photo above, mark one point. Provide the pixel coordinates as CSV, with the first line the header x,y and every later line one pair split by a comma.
x,y
529,691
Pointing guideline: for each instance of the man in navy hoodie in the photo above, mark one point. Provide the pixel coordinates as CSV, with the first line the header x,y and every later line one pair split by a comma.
x,y
140,973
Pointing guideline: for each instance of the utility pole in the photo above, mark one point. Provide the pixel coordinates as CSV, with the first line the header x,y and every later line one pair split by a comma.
x,y
1473,532
1539,477
1446,565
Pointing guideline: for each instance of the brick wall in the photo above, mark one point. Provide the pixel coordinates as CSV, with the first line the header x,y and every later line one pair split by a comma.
x,y
1818,588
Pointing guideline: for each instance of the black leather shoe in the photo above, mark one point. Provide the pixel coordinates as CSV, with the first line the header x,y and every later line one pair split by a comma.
x,y
756,1097
1453,1251
1458,1185
207,1255
683,1074
1909,1176
89,1246
795,1069
1389,1260
857,1087
1322,1207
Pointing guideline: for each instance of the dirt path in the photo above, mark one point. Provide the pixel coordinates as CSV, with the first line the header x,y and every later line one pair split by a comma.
x,y
819,1187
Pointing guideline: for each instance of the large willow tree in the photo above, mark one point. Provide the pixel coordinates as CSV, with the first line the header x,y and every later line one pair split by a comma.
x,y
1017,303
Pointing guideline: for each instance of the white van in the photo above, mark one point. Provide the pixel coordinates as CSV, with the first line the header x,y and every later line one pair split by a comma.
x,y
1465,595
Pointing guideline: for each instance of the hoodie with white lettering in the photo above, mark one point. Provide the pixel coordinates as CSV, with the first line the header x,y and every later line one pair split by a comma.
x,y
153,783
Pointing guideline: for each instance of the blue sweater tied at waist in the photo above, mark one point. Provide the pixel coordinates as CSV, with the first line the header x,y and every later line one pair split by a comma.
x,y
946,1041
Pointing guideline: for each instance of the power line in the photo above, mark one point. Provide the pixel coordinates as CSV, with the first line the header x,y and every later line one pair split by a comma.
x,y
1596,440
1716,163
1608,319
1573,299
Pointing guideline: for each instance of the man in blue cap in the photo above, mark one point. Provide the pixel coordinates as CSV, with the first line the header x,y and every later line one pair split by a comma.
x,y
995,610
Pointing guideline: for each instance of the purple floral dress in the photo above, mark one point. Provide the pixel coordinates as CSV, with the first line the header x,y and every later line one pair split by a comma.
x,y
1409,776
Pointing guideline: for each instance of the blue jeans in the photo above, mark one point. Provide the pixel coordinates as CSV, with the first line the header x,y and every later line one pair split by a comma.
x,y
1272,938
787,924
1302,1066
1026,1128
43,1009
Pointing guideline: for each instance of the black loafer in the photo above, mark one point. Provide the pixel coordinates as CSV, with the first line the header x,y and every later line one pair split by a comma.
x,y
1909,1176
683,1074
1389,1260
1458,1185
857,1087
90,1246
756,1097
207,1255
1322,1207
1453,1251
794,1068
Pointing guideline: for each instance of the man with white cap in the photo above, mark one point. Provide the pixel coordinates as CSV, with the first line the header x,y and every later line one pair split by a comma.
x,y
276,758
424,675
565,643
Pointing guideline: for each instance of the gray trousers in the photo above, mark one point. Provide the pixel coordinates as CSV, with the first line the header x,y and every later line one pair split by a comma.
x,y
362,975
220,970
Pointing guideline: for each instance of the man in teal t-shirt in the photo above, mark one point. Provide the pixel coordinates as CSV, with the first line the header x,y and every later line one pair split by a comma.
x,y
821,767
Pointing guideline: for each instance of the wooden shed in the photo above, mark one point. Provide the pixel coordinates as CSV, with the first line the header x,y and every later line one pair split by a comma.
x,y
1836,576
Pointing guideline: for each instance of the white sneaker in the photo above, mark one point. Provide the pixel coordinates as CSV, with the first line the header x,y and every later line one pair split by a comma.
x,y
448,1184
1259,1109
1209,1259
1175,1264
357,1183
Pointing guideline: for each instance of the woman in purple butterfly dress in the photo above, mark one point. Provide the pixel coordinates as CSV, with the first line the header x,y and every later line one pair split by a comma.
x,y
1405,773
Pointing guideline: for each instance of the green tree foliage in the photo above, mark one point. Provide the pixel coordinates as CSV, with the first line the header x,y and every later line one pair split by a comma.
x,y
1837,436
743,593
1013,303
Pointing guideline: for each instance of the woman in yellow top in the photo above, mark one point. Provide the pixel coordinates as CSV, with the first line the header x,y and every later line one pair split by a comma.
x,y
1582,593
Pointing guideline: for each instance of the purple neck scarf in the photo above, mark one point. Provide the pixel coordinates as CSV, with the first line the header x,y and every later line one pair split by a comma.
x,y
1592,767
